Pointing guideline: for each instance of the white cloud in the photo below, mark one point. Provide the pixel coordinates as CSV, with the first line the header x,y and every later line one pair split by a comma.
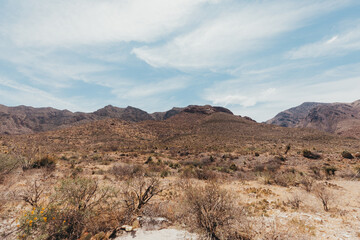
x,y
340,44
235,30
235,92
21,93
65,23
147,90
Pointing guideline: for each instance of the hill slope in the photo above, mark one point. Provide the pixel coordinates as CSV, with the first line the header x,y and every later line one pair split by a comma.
x,y
338,118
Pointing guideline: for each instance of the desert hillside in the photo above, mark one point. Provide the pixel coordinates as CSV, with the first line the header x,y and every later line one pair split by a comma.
x,y
339,118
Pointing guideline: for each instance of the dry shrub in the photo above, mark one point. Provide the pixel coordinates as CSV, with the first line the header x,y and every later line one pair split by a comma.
x,y
126,171
139,192
210,210
294,201
201,174
316,172
7,164
266,229
76,205
324,195
287,178
267,177
307,182
33,195
204,174
48,162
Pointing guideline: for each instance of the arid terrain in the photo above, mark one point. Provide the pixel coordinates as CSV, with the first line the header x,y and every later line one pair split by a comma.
x,y
188,173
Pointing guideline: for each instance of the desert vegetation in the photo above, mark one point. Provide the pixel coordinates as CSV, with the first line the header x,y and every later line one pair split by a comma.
x,y
108,179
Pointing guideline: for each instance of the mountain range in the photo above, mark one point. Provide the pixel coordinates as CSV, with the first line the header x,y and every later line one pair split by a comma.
x,y
23,119
336,118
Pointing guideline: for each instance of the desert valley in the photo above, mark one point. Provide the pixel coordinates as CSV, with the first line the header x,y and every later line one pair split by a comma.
x,y
198,171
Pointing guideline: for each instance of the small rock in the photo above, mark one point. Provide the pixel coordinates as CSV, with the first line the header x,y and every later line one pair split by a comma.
x,y
127,228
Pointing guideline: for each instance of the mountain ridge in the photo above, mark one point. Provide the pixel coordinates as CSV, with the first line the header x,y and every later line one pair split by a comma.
x,y
337,118
25,119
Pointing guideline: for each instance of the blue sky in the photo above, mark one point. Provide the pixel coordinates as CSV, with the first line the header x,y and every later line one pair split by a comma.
x,y
256,58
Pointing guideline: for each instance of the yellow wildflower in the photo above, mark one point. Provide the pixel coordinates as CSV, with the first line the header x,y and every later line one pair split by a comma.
x,y
41,212
53,218
34,208
35,218
30,221
32,212
45,219
43,209
64,221
18,225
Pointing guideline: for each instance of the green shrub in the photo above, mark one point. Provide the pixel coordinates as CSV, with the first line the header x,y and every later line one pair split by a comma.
x,y
149,160
174,165
164,173
47,161
346,154
310,155
330,170
233,167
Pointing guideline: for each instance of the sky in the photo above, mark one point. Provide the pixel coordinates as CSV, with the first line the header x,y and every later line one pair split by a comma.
x,y
255,57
